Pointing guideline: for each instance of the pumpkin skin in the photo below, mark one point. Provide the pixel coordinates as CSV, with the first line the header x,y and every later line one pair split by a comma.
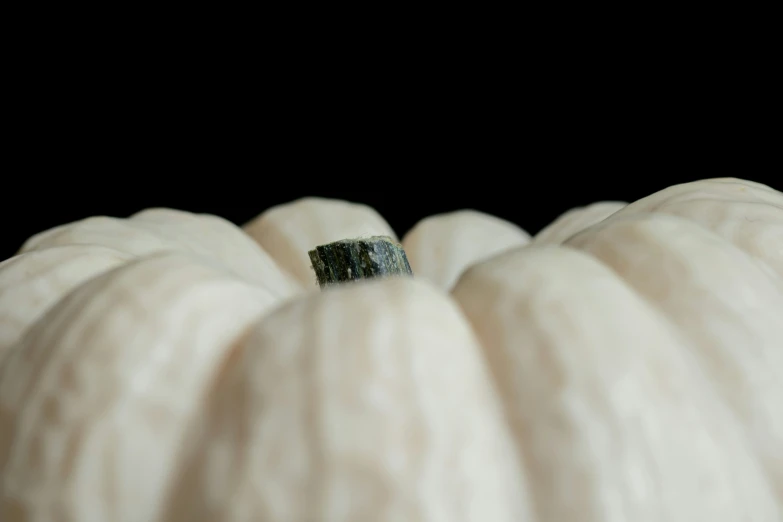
x,y
626,363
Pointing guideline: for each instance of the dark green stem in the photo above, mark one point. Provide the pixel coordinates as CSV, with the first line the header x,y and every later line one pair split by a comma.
x,y
355,259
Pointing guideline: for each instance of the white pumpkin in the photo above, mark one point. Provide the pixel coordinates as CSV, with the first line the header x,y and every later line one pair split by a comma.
x,y
624,364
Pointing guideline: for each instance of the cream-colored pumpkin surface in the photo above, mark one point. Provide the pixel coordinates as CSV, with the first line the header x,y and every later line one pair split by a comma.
x,y
627,364
576,220
355,418
441,247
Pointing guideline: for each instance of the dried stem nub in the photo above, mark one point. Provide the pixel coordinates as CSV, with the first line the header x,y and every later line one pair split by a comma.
x,y
354,259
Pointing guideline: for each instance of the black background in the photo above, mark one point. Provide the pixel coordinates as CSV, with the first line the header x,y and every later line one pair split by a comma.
x,y
528,189
73,162
521,136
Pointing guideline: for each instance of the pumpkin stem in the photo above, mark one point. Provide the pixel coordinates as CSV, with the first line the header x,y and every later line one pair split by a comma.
x,y
355,259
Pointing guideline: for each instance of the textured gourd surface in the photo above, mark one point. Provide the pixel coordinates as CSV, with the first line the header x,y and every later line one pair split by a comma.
x,y
626,363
